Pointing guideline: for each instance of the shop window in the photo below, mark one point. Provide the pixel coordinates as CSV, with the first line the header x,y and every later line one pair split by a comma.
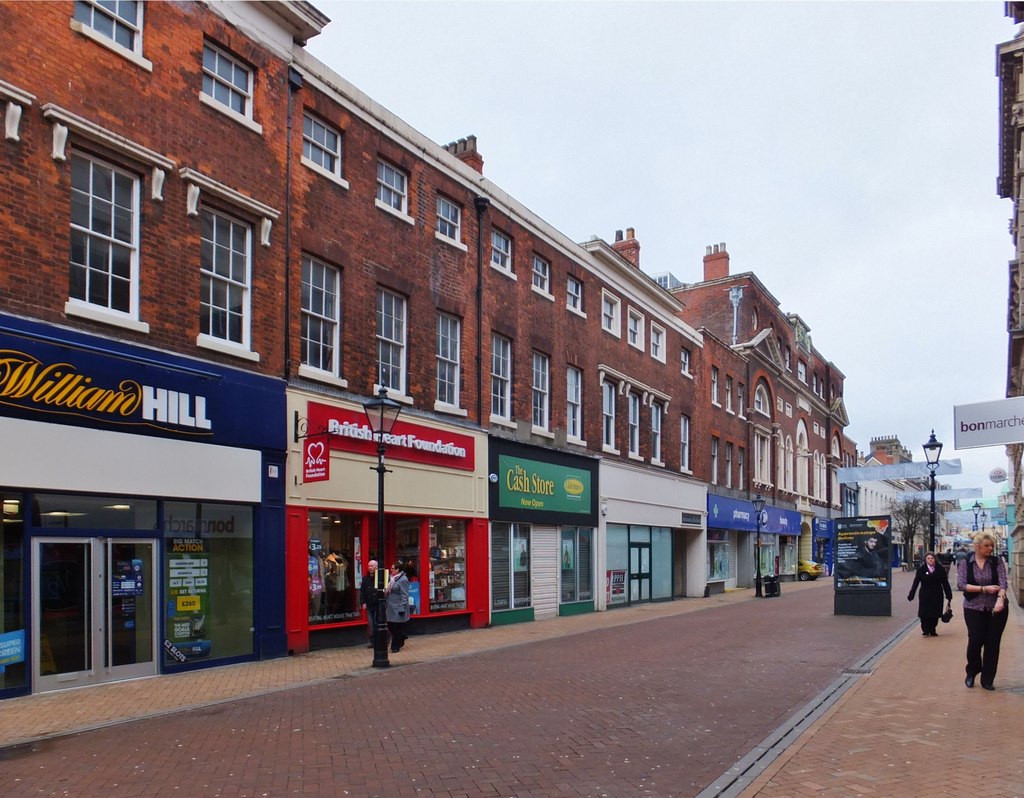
x,y
407,539
334,565
62,511
577,564
12,580
447,565
718,555
208,581
510,566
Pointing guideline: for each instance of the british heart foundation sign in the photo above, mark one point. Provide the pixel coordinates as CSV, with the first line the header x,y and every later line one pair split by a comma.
x,y
316,459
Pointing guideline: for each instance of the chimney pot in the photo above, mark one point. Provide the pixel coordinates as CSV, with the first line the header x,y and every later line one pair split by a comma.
x,y
716,262
628,248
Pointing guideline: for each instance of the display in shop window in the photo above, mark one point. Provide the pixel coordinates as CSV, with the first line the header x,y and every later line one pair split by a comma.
x,y
447,565
188,581
333,570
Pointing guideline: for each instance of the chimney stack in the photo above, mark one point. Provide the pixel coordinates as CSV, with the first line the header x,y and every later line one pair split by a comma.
x,y
465,150
628,248
716,262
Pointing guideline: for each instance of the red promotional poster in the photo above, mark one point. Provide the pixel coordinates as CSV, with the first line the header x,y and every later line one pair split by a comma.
x,y
316,459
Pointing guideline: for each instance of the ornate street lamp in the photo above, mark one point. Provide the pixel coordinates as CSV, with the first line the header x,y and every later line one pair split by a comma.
x,y
977,509
758,503
382,413
932,450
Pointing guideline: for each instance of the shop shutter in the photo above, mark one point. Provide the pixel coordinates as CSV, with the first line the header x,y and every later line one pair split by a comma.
x,y
545,564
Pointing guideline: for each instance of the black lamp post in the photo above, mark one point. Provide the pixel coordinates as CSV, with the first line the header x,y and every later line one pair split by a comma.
x,y
932,450
758,503
382,413
984,520
977,509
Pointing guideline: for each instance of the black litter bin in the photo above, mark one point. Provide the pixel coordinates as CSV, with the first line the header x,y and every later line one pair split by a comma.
x,y
771,587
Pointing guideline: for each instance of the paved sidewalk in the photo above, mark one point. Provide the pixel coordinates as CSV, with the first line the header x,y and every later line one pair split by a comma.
x,y
46,715
911,727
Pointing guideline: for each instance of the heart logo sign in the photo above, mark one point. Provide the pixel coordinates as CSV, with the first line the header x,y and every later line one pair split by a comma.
x,y
315,454
316,462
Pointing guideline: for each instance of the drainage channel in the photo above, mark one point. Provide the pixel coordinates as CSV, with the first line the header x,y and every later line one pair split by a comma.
x,y
738,777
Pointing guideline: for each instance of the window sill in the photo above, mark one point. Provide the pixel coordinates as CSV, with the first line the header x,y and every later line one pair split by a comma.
x,y
394,212
686,471
338,179
576,311
92,313
613,333
450,241
542,293
686,374
234,116
504,272
225,348
110,44
542,432
575,441
638,346
657,463
716,404
311,373
507,423
404,399
451,410
610,449
657,358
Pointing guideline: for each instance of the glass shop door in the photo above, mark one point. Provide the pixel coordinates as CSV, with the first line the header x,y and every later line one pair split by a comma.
x,y
93,611
639,572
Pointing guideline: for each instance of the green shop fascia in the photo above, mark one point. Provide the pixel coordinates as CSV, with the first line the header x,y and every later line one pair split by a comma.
x,y
543,505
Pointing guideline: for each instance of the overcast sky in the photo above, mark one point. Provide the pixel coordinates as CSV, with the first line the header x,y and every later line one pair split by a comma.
x,y
845,152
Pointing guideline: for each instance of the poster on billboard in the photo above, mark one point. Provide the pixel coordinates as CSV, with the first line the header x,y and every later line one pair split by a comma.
x,y
863,551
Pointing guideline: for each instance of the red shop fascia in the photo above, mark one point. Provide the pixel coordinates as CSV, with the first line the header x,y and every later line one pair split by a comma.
x,y
435,516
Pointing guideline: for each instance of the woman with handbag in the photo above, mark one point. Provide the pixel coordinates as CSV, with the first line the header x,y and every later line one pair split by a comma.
x,y
982,578
933,581
397,606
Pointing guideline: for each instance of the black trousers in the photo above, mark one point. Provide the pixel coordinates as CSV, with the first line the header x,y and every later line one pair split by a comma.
x,y
984,632
398,635
371,622
929,625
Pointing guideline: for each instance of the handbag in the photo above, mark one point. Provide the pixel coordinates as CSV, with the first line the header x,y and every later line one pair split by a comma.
x,y
947,616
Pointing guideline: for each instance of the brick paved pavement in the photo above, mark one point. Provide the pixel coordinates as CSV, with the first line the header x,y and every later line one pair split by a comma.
x,y
911,728
593,707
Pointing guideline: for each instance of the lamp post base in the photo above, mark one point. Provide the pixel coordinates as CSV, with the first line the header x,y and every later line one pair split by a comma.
x,y
758,588
380,637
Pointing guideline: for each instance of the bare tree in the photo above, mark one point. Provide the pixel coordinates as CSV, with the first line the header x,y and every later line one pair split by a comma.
x,y
910,517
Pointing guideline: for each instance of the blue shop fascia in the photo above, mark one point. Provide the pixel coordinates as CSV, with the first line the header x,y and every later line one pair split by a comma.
x,y
143,511
733,542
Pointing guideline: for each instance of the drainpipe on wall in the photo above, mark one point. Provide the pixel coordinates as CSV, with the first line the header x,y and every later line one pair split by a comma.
x,y
294,84
481,204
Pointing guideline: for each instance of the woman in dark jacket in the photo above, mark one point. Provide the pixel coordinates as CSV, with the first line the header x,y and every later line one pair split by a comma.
x,y
931,577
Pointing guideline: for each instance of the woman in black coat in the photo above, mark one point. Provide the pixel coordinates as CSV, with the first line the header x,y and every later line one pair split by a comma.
x,y
931,577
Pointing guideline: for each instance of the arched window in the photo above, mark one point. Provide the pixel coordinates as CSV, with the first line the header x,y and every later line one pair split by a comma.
x,y
835,476
761,403
788,484
803,465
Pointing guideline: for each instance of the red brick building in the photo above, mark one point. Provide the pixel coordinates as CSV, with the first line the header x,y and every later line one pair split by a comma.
x,y
217,251
791,398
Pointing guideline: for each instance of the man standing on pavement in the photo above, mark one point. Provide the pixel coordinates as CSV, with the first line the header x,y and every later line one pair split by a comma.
x,y
368,598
